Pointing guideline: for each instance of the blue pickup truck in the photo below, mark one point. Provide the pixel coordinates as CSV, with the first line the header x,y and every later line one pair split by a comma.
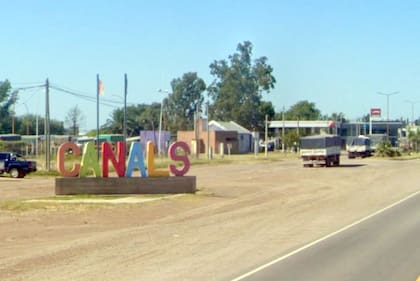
x,y
15,165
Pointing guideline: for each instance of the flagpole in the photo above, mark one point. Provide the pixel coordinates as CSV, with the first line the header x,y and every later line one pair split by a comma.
x,y
97,114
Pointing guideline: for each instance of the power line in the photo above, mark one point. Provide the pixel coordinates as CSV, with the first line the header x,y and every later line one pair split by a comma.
x,y
28,87
87,97
110,103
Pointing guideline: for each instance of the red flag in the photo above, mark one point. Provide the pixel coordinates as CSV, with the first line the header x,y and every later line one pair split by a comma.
x,y
101,88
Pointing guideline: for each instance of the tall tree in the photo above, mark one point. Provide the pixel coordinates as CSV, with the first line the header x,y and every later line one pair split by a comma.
x,y
7,99
139,117
335,117
183,102
303,110
26,125
73,119
238,87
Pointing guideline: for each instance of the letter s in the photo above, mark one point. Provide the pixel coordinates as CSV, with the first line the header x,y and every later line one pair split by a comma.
x,y
184,158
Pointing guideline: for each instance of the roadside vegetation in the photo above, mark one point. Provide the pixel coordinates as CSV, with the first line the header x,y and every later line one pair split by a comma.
x,y
385,149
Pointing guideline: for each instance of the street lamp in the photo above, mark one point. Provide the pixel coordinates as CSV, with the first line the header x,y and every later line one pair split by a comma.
x,y
387,111
160,121
412,109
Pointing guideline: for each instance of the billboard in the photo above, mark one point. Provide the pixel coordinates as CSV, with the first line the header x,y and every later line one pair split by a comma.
x,y
375,112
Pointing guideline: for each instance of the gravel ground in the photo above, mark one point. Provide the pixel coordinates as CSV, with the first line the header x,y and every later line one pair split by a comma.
x,y
243,215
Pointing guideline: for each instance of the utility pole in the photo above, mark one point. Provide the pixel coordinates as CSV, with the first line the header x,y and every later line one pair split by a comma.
x,y
266,136
98,91
387,111
47,125
125,110
282,132
208,132
197,130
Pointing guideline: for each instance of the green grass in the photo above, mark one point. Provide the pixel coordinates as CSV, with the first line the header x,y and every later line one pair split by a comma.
x,y
54,203
82,196
408,156
24,206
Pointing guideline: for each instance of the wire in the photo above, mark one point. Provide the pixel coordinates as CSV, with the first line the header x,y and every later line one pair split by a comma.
x,y
28,87
72,92
106,102
92,98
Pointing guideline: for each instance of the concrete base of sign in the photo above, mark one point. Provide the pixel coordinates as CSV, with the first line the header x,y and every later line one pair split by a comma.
x,y
134,185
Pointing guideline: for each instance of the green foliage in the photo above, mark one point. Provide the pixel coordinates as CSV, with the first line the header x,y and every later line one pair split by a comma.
x,y
291,138
384,149
26,125
303,110
183,102
238,87
414,137
7,99
139,117
335,117
13,146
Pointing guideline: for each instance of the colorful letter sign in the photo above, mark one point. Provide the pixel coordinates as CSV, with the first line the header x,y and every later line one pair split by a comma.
x,y
90,163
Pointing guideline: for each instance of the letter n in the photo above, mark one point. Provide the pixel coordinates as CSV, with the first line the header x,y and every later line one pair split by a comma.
x,y
108,155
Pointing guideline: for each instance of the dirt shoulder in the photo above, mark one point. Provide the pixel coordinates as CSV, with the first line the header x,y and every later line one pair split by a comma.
x,y
244,214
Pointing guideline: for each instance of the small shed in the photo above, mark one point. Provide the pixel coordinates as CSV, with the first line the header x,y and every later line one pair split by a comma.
x,y
245,139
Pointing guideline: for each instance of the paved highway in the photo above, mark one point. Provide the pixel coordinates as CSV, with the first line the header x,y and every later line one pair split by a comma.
x,y
383,246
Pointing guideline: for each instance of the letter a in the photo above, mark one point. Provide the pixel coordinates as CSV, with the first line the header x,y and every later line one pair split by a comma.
x,y
89,161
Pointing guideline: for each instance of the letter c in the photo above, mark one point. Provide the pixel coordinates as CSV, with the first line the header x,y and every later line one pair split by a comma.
x,y
61,154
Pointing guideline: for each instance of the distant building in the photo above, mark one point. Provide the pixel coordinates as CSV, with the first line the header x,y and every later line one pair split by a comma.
x,y
153,136
222,138
245,139
311,127
347,130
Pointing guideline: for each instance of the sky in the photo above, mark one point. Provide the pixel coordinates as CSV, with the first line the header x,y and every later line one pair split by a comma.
x,y
336,54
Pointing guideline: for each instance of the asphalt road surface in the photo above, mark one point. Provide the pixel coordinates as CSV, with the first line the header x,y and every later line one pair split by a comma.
x,y
384,246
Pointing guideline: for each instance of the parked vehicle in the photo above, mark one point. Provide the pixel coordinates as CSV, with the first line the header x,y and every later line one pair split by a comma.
x,y
359,147
15,165
321,150
270,145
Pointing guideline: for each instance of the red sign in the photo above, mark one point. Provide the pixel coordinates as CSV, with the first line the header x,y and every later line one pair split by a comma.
x,y
375,112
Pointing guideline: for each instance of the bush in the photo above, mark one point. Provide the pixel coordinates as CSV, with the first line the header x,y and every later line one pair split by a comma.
x,y
385,149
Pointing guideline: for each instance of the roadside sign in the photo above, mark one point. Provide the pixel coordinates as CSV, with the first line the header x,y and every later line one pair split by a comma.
x,y
375,112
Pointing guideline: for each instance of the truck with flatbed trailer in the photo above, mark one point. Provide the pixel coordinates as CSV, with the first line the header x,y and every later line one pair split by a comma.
x,y
320,150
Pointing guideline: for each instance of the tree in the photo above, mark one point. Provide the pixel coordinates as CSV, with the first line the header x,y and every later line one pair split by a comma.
x,y
73,119
335,117
183,102
238,87
7,99
139,117
26,125
414,137
150,117
303,110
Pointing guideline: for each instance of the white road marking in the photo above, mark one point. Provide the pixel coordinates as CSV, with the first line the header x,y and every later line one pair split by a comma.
x,y
323,238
